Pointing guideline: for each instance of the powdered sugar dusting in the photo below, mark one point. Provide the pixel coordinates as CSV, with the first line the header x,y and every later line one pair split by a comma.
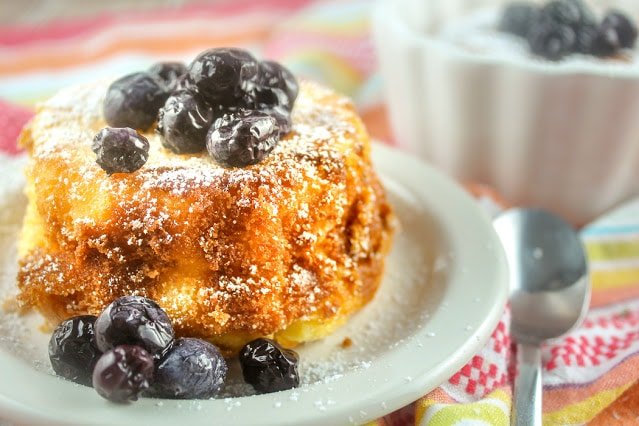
x,y
395,313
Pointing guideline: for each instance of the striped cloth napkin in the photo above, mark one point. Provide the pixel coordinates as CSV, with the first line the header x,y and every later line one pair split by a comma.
x,y
588,375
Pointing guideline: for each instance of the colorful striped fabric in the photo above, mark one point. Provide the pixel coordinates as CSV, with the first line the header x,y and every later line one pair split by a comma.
x,y
584,372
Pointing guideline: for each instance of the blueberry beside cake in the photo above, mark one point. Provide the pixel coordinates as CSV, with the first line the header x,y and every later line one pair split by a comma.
x,y
243,203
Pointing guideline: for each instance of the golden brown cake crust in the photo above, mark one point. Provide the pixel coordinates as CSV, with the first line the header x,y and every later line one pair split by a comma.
x,y
230,253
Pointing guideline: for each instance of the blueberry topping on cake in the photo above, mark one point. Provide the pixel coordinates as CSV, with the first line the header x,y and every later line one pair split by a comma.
x,y
134,100
517,18
186,101
190,369
122,373
183,123
268,367
223,75
276,86
282,116
120,150
242,138
134,320
168,73
72,349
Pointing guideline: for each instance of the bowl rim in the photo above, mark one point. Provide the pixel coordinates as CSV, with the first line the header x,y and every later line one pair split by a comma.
x,y
387,18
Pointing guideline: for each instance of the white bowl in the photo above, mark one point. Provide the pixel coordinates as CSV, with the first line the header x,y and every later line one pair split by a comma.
x,y
563,136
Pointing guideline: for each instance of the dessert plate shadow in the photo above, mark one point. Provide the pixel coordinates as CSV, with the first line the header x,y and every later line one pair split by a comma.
x,y
443,293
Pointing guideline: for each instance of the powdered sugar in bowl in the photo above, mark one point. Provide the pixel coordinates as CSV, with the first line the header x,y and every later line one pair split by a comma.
x,y
476,103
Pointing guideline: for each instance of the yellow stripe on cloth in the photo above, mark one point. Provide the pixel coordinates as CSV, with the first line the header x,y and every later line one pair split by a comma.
x,y
610,279
586,410
612,250
493,410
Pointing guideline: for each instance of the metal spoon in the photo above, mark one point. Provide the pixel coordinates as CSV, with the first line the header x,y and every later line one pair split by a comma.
x,y
549,294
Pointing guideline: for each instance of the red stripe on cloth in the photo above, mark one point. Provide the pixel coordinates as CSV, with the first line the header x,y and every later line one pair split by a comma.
x,y
12,120
65,29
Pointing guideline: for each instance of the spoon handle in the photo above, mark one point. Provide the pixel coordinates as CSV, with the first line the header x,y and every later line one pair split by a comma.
x,y
527,398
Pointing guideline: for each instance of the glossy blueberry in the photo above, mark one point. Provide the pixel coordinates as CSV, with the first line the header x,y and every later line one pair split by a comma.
x,y
134,100
122,373
517,18
282,116
242,138
120,150
134,320
268,367
190,369
276,86
72,350
223,75
183,123
624,28
168,73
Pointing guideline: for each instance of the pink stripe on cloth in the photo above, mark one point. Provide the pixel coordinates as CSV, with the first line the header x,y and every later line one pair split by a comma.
x,y
19,35
12,120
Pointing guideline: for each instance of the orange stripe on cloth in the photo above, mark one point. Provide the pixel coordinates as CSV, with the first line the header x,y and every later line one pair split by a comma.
x,y
620,376
616,295
157,45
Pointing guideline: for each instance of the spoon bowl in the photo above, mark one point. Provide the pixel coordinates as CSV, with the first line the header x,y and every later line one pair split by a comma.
x,y
549,294
549,287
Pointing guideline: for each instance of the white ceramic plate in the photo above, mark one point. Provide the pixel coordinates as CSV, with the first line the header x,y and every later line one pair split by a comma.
x,y
442,295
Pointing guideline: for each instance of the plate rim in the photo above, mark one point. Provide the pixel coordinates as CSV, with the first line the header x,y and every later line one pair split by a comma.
x,y
385,394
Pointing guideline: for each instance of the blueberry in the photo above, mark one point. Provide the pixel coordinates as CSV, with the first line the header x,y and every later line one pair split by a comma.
x,y
562,27
517,18
122,373
606,43
72,349
623,26
268,367
586,36
184,83
168,73
276,86
223,75
134,100
184,122
134,320
552,42
282,116
572,13
190,369
242,138
120,150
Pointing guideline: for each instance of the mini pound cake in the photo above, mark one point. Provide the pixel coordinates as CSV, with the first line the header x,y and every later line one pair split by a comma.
x,y
286,245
